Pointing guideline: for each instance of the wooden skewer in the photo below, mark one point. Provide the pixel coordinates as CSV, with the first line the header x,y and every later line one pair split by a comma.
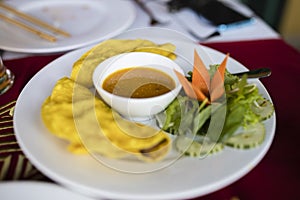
x,y
28,28
34,20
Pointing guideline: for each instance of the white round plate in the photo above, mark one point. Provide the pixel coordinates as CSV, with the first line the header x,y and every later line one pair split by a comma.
x,y
88,22
16,190
185,178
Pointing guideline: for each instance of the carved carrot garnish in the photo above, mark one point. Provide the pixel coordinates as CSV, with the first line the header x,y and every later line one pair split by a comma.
x,y
202,85
217,82
190,90
200,77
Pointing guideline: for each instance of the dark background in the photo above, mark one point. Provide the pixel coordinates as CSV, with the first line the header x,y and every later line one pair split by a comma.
x,y
269,10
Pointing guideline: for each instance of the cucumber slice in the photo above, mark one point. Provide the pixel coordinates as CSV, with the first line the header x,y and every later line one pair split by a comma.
x,y
250,138
247,89
264,108
194,148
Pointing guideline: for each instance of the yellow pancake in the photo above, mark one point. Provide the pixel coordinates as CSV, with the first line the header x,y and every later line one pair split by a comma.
x,y
74,114
84,67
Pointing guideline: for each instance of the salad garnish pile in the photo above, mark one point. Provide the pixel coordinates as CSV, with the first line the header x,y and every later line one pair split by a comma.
x,y
216,109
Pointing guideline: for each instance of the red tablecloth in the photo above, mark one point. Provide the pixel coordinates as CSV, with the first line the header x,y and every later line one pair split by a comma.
x,y
278,175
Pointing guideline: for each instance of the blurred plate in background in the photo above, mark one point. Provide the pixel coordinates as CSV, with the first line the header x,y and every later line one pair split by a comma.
x,y
87,21
34,190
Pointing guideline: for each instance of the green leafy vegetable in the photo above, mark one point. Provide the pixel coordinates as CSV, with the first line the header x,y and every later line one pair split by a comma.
x,y
244,107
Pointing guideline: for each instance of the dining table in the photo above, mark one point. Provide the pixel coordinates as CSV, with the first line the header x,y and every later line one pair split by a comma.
x,y
255,45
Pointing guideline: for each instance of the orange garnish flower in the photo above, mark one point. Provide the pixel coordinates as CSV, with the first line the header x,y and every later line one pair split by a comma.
x,y
203,86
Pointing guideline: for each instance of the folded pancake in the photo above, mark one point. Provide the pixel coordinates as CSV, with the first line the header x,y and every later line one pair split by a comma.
x,y
84,67
73,113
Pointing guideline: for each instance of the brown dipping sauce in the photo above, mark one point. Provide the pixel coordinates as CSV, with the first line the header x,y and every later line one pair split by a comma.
x,y
138,82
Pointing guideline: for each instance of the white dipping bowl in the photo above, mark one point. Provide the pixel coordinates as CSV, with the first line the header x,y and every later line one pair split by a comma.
x,y
137,109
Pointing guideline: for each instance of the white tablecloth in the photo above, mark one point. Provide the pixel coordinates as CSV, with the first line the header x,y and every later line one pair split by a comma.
x,y
187,19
